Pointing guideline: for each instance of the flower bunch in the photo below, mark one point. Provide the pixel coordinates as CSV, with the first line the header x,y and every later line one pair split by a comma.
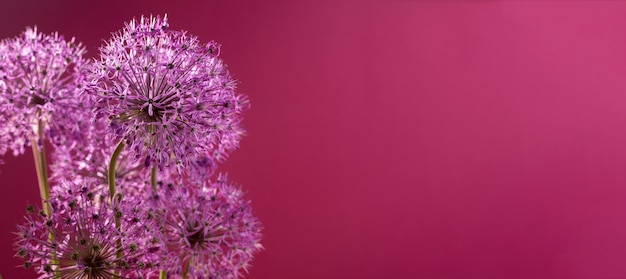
x,y
137,134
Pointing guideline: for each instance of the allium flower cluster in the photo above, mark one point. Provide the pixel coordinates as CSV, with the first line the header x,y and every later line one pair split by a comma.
x,y
209,229
85,241
137,135
40,78
167,96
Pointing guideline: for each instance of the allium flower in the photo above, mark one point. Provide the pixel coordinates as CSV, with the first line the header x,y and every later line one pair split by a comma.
x,y
86,240
39,80
88,160
210,230
168,96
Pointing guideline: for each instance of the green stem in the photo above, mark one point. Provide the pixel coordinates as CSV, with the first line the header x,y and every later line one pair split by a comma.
x,y
153,180
111,179
111,176
186,270
39,156
42,176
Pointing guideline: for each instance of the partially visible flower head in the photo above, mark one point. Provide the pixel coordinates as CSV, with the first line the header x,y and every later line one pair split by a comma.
x,y
86,240
39,80
210,230
167,95
88,160
5,139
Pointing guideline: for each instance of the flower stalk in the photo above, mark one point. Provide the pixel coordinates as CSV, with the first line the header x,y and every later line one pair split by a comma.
x,y
153,182
186,270
111,179
42,175
112,163
39,156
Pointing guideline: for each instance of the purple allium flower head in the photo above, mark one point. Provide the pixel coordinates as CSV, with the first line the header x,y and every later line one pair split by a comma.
x,y
86,240
40,78
167,95
210,230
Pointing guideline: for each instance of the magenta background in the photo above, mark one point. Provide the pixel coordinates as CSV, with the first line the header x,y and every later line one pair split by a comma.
x,y
405,139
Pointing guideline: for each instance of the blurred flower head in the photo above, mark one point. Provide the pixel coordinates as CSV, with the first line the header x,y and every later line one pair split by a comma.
x,y
210,230
88,160
40,79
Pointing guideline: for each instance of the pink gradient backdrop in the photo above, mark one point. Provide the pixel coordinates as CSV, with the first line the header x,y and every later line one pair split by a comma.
x,y
405,139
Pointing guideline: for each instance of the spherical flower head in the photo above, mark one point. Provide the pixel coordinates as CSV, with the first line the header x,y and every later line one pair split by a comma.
x,y
210,230
168,96
86,242
39,80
